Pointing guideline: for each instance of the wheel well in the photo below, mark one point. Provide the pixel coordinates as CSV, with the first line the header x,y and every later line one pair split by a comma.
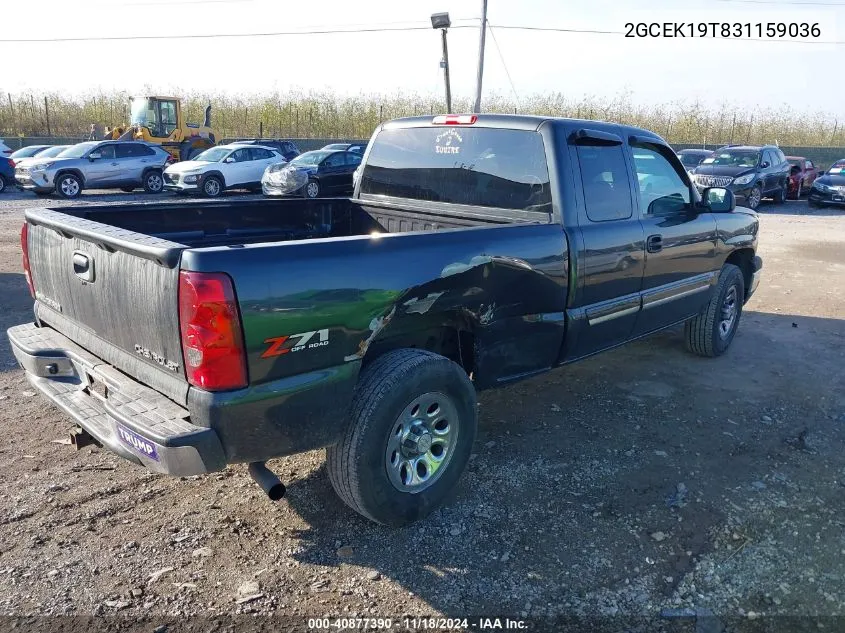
x,y
743,259
455,343
217,175
75,172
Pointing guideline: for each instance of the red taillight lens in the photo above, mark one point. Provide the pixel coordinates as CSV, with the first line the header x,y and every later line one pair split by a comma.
x,y
11,162
212,340
27,272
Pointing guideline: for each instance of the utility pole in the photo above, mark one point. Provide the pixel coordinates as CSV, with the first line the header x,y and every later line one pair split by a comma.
x,y
477,107
441,21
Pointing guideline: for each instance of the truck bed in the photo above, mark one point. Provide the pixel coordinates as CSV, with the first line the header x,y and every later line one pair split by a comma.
x,y
198,225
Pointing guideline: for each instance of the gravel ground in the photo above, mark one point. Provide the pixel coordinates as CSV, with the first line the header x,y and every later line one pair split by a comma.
x,y
643,482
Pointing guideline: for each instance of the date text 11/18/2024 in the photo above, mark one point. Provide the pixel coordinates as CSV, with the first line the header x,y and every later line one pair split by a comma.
x,y
418,624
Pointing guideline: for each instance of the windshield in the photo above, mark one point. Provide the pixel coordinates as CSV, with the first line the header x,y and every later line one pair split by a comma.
x,y
141,111
746,158
26,152
837,168
52,152
213,155
310,158
690,160
336,146
77,151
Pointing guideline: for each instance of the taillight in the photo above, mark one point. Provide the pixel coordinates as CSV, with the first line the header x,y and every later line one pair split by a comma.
x,y
11,162
212,340
455,119
27,272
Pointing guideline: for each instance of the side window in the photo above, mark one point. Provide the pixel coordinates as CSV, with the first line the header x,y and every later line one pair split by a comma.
x,y
143,150
334,160
607,191
168,116
661,188
124,150
241,155
808,164
353,158
106,151
769,157
259,153
781,157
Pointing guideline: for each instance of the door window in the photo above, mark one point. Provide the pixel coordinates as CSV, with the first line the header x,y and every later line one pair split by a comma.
x,y
661,189
607,190
106,151
769,158
241,155
335,160
259,153
808,164
168,117
353,159
124,150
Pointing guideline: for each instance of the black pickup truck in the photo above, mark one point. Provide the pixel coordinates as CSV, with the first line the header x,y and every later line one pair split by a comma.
x,y
475,251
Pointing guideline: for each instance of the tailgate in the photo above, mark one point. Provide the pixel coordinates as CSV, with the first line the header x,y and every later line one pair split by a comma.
x,y
113,292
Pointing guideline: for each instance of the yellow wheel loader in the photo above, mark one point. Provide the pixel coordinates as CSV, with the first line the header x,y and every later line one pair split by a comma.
x,y
160,120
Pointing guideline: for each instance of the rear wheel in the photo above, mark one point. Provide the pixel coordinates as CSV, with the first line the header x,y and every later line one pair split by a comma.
x,y
3,184
411,427
212,187
68,186
712,331
780,194
153,182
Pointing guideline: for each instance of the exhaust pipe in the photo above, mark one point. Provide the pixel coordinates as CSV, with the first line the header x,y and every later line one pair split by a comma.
x,y
267,480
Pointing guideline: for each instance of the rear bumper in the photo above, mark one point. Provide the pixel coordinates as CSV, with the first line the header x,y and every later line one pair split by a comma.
x,y
128,418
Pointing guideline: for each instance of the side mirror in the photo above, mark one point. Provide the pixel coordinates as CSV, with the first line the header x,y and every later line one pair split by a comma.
x,y
228,159
718,199
764,164
820,173
94,156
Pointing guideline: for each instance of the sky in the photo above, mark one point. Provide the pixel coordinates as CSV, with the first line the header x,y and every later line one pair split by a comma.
x,y
649,70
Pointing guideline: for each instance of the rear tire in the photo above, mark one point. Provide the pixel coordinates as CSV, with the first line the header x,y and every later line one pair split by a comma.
x,y
153,181
212,187
411,427
3,184
711,332
68,186
781,194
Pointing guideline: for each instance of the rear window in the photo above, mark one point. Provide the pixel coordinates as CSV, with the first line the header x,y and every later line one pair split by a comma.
x,y
483,167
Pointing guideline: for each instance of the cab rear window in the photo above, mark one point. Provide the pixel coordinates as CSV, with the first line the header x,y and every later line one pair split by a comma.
x,y
483,167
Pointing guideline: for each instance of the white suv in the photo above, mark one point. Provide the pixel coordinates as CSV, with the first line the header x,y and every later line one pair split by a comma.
x,y
234,166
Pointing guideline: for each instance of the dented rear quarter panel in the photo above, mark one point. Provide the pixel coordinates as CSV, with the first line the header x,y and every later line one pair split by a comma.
x,y
508,283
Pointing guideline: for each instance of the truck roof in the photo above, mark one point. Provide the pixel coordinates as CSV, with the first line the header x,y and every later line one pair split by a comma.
x,y
525,122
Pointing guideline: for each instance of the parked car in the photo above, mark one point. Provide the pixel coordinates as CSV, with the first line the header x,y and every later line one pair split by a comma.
x,y
327,173
255,329
287,149
7,173
233,166
50,152
346,147
5,150
829,187
750,172
26,152
96,165
802,174
691,158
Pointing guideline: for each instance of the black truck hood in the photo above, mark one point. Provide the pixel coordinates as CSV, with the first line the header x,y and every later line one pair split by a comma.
x,y
722,170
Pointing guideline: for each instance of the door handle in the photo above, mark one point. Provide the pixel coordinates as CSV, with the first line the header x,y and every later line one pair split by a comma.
x,y
83,266
654,243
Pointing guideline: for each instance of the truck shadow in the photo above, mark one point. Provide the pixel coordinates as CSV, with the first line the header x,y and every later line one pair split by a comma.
x,y
17,308
572,472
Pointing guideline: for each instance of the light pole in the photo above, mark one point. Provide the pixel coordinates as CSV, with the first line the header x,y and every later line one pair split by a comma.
x,y
477,107
441,21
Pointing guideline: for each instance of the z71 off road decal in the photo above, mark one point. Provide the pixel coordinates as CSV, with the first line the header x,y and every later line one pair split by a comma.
x,y
295,343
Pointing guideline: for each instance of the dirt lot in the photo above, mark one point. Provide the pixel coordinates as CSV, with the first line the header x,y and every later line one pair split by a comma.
x,y
643,481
